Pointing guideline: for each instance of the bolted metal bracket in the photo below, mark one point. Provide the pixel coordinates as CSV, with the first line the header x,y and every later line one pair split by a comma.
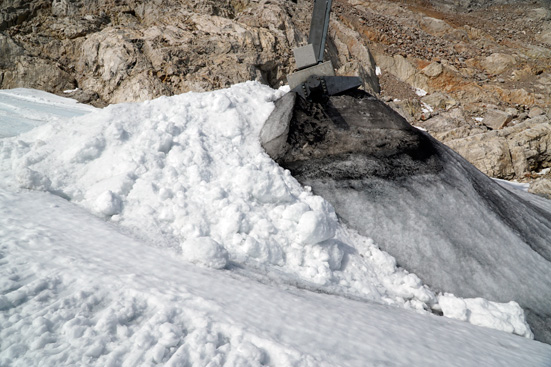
x,y
314,77
316,86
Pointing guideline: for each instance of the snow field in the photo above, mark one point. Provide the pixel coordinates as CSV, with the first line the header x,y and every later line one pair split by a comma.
x,y
188,173
65,305
22,109
77,291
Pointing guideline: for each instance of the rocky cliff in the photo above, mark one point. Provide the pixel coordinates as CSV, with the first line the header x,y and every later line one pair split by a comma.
x,y
475,73
119,51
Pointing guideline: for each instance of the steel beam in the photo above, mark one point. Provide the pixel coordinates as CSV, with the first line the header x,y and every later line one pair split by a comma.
x,y
319,26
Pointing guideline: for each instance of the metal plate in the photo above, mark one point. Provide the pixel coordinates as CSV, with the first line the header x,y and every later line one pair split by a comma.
x,y
299,77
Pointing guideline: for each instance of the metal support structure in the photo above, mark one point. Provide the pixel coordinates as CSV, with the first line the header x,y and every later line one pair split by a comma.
x,y
319,26
314,77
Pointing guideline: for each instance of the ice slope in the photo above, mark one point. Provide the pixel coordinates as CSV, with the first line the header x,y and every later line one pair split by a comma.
x,y
439,216
77,291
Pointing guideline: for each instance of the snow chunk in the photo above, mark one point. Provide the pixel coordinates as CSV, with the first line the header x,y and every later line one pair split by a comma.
x,y
315,227
108,204
206,252
30,179
508,317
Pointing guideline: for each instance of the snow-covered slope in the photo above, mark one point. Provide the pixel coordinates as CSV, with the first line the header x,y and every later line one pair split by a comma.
x,y
186,178
82,293
22,109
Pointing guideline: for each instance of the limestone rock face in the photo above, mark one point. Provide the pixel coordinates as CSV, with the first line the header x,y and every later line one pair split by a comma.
x,y
508,153
10,51
121,51
36,73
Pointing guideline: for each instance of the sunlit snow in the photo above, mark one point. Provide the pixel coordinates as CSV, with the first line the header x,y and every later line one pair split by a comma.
x,y
202,249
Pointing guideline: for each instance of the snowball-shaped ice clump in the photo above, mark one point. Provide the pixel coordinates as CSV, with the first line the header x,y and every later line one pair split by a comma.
x,y
108,204
315,227
205,251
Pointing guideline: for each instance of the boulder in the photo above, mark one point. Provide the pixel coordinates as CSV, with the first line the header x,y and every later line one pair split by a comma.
x,y
541,187
508,153
530,144
539,14
497,63
273,135
489,153
433,70
439,101
496,119
535,111
403,69
545,35
434,25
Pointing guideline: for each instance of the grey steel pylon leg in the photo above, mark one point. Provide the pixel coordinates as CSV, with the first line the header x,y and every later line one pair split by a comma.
x,y
319,26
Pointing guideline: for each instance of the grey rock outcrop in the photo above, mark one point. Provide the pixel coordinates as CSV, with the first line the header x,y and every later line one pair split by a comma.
x,y
496,119
511,152
122,51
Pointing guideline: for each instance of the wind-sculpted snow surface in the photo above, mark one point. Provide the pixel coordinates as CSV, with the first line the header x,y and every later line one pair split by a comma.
x,y
188,173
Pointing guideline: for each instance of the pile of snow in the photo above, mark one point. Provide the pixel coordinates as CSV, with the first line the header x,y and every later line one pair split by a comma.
x,y
187,173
